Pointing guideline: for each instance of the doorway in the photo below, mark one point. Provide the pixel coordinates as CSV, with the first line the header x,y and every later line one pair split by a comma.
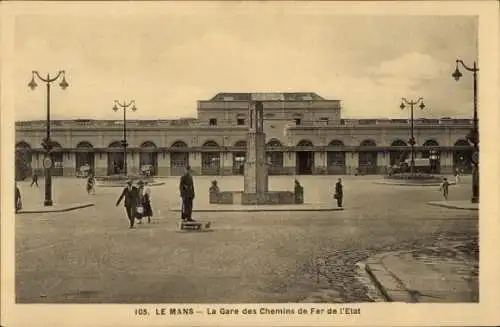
x,y
304,162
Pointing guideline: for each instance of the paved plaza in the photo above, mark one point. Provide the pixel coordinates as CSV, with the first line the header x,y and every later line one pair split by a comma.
x,y
91,256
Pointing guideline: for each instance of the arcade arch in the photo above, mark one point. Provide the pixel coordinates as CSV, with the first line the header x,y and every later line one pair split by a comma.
x,y
274,153
431,152
57,159
210,158
23,161
367,160
179,158
84,158
239,157
462,156
148,159
116,158
304,158
336,158
398,153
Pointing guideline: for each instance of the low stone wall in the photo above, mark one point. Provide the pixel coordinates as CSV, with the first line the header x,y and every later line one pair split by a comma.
x,y
221,197
269,198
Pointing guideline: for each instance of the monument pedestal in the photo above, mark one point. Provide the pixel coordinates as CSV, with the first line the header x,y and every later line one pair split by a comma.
x,y
256,185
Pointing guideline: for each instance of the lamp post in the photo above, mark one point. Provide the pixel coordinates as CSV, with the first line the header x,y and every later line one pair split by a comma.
x,y
473,136
124,106
47,142
412,103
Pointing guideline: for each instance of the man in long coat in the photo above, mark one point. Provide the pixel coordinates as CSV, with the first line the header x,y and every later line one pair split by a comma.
x,y
131,195
186,188
18,204
339,192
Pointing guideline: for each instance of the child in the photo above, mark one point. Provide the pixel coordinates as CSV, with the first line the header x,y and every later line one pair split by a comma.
x,y
444,188
457,176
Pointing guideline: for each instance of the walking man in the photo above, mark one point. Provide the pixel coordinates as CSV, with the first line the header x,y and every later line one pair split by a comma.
x,y
444,188
131,195
186,188
34,180
339,193
19,202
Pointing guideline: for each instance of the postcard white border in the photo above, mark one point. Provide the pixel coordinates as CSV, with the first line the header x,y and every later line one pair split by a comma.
x,y
377,314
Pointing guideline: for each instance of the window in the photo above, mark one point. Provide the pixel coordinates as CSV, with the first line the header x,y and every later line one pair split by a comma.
x,y
212,122
240,121
324,120
298,121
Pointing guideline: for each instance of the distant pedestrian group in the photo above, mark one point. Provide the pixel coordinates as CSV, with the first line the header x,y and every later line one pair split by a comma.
x,y
137,202
137,199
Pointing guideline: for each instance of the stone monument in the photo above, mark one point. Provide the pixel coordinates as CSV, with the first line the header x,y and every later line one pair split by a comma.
x,y
256,179
256,187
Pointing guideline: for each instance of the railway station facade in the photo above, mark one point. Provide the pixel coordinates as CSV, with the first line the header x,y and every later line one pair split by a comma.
x,y
305,134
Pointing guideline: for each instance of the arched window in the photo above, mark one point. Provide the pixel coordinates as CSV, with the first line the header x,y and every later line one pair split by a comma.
x,y
179,144
305,143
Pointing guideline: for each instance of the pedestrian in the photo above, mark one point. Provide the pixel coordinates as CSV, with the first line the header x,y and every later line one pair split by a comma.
x,y
131,195
139,213
444,188
91,184
339,193
146,202
18,200
457,176
34,180
186,188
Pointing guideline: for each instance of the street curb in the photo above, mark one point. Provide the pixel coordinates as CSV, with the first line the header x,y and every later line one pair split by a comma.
x,y
451,206
123,185
408,184
377,271
52,209
265,210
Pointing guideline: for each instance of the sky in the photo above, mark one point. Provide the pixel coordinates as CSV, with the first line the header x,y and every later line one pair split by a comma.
x,y
168,60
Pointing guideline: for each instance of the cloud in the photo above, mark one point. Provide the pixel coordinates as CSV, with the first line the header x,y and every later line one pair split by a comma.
x,y
167,64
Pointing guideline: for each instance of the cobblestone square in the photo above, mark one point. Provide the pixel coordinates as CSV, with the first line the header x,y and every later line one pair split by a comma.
x,y
90,255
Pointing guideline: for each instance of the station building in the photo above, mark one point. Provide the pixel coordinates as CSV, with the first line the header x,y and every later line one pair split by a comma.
x,y
305,134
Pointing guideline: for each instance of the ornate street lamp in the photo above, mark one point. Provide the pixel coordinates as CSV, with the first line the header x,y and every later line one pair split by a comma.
x,y
411,141
473,136
124,106
47,142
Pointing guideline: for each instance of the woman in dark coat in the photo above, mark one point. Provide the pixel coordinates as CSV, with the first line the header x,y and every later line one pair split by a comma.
x,y
145,196
148,210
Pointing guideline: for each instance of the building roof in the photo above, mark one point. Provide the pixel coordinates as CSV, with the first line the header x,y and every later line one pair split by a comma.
x,y
269,96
